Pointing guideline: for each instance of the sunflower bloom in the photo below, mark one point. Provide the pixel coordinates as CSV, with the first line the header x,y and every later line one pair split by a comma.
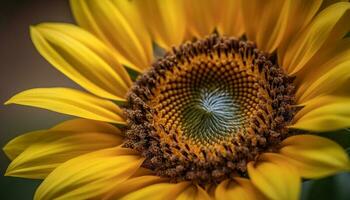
x,y
230,111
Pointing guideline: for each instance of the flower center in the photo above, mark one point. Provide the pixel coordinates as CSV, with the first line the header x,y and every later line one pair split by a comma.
x,y
211,113
207,108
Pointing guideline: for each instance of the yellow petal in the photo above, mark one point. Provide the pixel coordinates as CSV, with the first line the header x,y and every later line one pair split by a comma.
x,y
267,22
252,12
123,188
165,20
326,3
329,26
326,60
318,102
239,188
83,58
314,156
274,180
143,172
193,192
54,148
22,142
131,13
230,19
89,175
71,102
158,191
200,17
328,117
300,13
17,145
86,125
273,24
94,44
119,26
324,123
336,79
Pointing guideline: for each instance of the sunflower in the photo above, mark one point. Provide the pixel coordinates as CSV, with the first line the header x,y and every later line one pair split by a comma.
x,y
233,107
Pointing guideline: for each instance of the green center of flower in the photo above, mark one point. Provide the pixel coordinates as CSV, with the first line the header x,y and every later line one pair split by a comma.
x,y
210,114
207,108
207,101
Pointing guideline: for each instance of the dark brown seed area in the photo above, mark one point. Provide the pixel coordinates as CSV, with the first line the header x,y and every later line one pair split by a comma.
x,y
207,108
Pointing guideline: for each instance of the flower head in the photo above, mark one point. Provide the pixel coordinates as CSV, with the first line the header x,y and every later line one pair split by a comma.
x,y
230,111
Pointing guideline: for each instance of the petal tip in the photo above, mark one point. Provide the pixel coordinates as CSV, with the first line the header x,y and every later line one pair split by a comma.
x,y
10,101
6,151
32,28
9,172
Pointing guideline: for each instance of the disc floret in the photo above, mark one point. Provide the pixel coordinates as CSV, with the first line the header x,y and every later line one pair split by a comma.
x,y
207,108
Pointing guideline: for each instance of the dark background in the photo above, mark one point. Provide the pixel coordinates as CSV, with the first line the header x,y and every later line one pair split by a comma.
x,y
21,68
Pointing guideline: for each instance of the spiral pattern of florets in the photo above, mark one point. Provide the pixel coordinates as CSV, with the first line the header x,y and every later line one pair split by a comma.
x,y
207,108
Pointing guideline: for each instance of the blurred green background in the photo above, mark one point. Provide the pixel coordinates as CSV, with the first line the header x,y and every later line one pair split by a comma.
x,y
23,68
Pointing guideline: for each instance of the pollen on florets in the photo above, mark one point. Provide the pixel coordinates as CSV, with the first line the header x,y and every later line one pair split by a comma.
x,y
207,108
